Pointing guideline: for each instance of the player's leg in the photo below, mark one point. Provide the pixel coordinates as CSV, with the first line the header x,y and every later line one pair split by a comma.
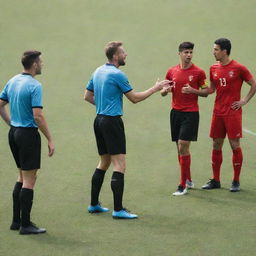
x,y
216,164
16,202
117,180
218,134
237,160
15,225
189,122
26,202
105,161
96,184
175,126
234,131
26,195
217,158
117,186
29,143
185,161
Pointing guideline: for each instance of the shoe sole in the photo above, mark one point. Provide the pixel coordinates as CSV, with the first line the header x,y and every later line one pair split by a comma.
x,y
238,190
180,194
123,218
96,211
211,188
31,233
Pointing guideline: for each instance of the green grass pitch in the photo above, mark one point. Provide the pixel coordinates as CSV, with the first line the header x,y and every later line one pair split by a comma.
x,y
72,35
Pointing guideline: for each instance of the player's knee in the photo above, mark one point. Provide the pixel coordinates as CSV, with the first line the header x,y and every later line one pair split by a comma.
x,y
183,147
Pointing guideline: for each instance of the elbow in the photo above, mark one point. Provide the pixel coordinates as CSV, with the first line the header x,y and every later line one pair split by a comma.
x,y
38,118
134,101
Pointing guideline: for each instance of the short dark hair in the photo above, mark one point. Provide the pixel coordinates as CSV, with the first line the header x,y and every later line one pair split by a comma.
x,y
186,46
29,57
224,44
111,48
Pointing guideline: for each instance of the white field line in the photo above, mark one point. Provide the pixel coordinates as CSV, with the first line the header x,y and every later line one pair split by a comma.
x,y
248,131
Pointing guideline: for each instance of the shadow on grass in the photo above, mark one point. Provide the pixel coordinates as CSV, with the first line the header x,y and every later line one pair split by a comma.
x,y
224,195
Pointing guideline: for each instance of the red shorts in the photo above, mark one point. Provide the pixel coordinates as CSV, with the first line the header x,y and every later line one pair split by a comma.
x,y
230,125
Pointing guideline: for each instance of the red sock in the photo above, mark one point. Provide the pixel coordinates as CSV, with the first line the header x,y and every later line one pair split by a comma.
x,y
184,168
216,163
237,160
189,173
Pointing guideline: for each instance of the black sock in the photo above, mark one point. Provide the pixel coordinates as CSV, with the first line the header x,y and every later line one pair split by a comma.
x,y
117,186
26,201
97,180
16,202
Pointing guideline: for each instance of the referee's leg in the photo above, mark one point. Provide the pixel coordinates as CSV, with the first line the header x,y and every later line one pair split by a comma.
x,y
96,183
26,202
117,186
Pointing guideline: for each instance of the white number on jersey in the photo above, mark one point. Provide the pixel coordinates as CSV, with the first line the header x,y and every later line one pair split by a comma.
x,y
223,82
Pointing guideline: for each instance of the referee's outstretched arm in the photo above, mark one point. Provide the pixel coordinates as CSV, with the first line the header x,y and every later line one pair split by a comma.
x,y
136,97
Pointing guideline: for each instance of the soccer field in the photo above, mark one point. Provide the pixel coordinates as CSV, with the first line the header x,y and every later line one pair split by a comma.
x,y
72,36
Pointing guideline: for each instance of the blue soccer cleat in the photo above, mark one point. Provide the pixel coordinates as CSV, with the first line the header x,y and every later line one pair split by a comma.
x,y
97,208
123,214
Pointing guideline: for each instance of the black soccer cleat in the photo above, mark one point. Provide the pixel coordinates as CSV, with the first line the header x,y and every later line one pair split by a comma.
x,y
31,229
211,184
15,226
235,186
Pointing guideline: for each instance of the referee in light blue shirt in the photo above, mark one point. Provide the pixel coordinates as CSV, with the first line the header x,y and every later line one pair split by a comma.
x,y
105,89
24,95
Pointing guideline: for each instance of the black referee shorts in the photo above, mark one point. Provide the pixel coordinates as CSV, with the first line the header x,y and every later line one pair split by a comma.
x,y
25,144
110,135
184,125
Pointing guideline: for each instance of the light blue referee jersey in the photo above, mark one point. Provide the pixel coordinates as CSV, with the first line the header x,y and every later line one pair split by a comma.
x,y
23,93
108,84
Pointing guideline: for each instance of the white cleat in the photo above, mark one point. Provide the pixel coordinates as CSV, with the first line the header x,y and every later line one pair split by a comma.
x,y
189,184
180,191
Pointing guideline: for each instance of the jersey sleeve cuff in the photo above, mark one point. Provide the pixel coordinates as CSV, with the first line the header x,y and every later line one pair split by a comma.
x,y
37,106
127,91
4,99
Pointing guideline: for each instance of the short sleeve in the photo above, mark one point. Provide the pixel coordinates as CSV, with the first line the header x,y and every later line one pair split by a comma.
x,y
202,79
211,77
168,75
123,83
36,96
4,95
89,85
246,74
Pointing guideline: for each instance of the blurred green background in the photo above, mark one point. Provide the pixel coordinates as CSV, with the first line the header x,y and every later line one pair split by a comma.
x,y
72,36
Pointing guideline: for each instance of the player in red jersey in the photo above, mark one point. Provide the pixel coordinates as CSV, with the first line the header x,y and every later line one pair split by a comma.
x,y
188,82
227,77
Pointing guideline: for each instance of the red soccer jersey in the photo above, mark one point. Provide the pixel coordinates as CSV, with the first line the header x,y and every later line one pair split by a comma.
x,y
228,80
195,77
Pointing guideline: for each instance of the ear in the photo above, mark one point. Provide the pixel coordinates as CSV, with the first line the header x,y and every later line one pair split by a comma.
x,y
34,65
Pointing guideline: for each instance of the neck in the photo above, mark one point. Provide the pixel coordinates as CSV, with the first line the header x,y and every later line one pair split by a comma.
x,y
225,61
185,65
31,72
115,63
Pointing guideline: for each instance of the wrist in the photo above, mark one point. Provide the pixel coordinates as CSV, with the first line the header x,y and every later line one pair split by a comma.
x,y
153,89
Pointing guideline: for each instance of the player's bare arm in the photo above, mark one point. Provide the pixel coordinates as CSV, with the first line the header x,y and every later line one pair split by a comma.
x,y
203,92
136,97
89,96
211,89
3,112
238,104
43,127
